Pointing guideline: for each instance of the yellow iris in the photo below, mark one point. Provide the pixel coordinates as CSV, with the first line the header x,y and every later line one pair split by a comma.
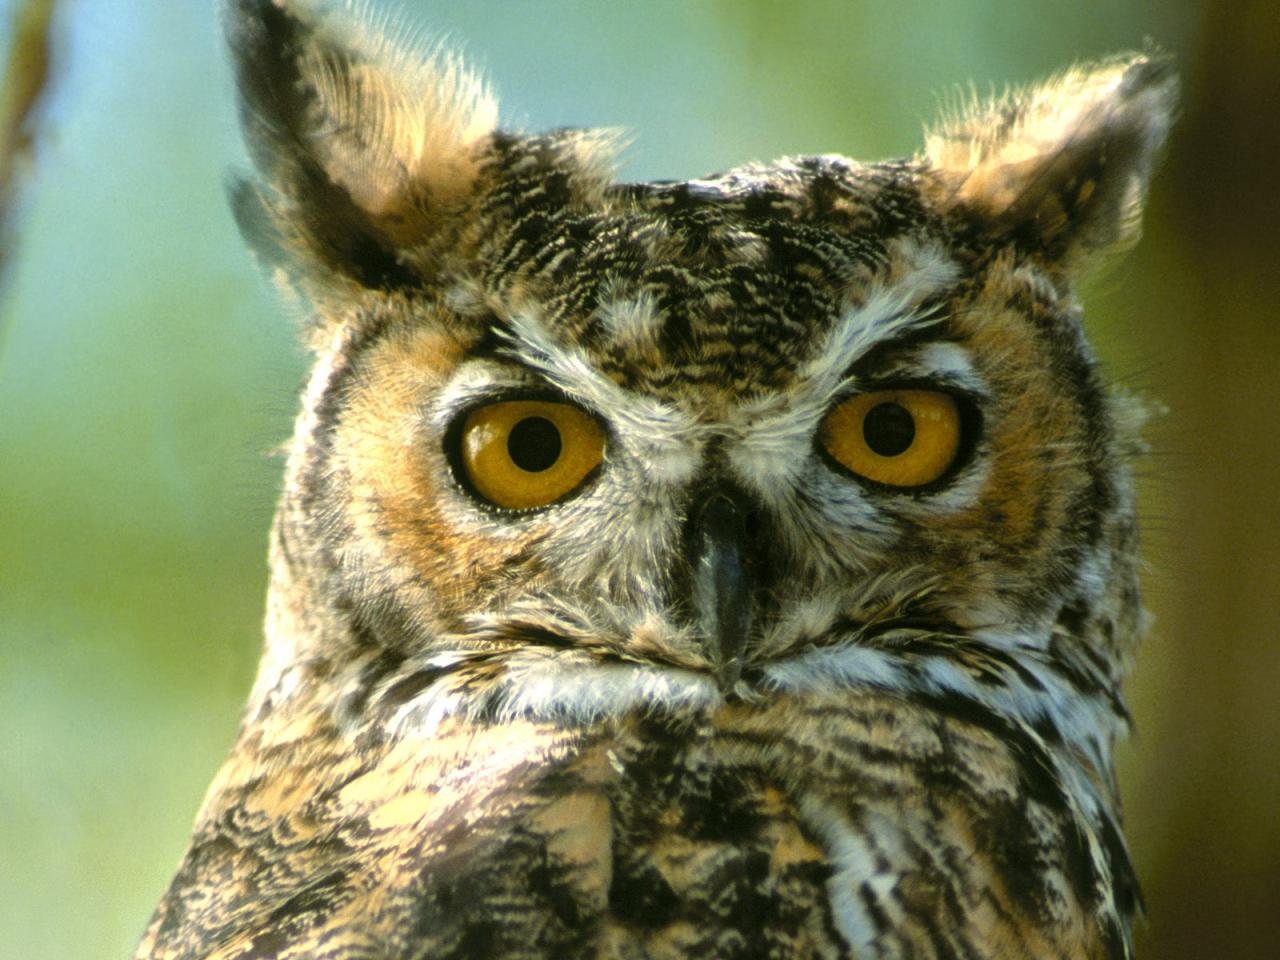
x,y
901,438
529,453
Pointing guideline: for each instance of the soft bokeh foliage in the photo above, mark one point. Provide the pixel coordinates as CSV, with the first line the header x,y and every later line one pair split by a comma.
x,y
146,372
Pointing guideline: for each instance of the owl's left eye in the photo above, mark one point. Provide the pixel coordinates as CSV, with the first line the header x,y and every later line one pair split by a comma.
x,y
521,454
899,438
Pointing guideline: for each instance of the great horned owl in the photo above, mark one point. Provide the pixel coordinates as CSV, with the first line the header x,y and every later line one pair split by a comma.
x,y
739,567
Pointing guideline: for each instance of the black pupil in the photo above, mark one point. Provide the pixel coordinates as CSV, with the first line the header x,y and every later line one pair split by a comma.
x,y
888,429
534,444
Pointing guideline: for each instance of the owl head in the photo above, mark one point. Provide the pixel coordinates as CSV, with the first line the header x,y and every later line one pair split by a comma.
x,y
641,445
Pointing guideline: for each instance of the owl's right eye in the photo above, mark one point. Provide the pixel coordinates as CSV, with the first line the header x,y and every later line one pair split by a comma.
x,y
522,454
898,438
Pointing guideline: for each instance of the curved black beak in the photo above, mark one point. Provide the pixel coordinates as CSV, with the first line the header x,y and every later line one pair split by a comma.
x,y
723,580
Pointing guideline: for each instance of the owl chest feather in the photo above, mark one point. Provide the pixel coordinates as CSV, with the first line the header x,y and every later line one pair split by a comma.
x,y
836,826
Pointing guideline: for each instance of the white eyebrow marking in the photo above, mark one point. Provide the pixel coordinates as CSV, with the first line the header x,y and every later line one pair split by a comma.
x,y
941,360
775,431
889,311
664,437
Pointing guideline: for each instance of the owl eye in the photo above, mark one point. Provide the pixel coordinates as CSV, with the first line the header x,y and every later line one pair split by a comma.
x,y
901,438
520,454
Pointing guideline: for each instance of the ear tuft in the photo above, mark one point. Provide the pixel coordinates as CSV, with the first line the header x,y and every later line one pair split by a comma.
x,y
367,147
1061,169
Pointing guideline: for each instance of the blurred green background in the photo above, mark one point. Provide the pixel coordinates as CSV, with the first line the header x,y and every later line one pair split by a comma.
x,y
146,372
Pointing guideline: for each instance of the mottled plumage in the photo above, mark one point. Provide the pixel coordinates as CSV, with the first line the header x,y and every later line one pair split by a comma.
x,y
726,695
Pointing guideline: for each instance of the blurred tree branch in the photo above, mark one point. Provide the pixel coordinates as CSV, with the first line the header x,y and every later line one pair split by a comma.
x,y
26,76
